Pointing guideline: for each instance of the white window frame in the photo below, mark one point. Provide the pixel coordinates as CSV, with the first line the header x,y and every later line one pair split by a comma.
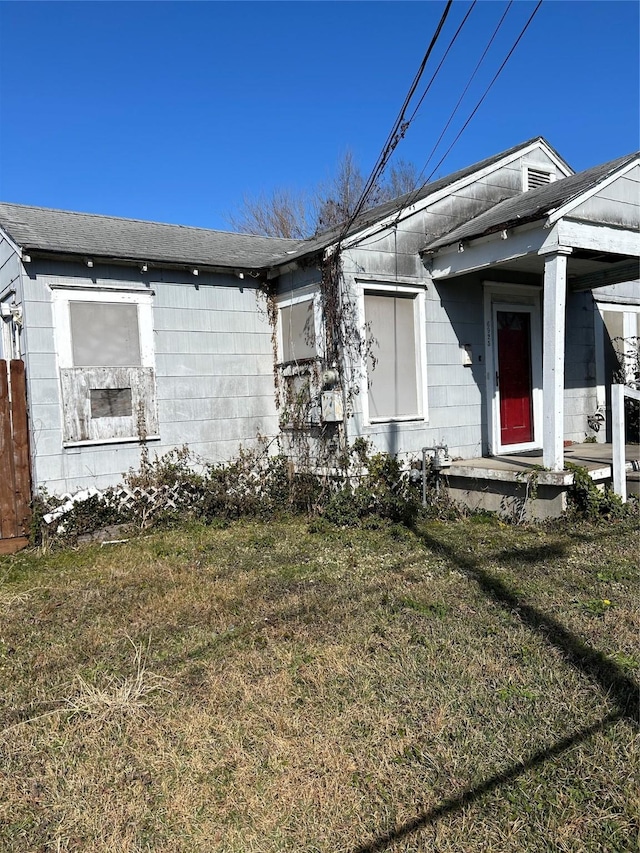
x,y
306,294
62,296
417,293
62,319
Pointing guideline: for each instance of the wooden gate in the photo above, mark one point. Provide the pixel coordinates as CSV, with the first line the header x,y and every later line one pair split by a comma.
x,y
15,478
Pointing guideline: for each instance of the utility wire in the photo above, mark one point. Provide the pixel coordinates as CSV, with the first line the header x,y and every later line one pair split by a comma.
x,y
441,63
414,194
398,130
479,104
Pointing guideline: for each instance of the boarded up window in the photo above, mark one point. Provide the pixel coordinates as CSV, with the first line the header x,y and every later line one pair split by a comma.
x,y
111,403
107,378
105,334
107,403
393,371
298,331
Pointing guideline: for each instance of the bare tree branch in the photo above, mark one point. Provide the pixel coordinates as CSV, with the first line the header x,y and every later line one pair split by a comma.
x,y
284,213
280,214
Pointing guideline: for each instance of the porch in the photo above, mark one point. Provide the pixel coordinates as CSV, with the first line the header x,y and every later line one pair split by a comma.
x,y
509,484
531,253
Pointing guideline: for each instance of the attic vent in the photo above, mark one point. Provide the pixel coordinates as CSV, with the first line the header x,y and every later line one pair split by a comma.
x,y
535,178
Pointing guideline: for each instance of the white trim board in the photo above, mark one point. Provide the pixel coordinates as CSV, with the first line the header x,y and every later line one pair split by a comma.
x,y
60,299
418,293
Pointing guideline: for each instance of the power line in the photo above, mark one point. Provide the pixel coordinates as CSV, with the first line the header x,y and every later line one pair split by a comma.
x,y
417,190
399,127
441,63
479,104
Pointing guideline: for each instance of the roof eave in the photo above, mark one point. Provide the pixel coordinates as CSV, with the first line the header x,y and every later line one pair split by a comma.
x,y
255,272
508,225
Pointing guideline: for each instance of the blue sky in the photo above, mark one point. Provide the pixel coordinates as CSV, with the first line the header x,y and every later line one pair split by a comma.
x,y
174,111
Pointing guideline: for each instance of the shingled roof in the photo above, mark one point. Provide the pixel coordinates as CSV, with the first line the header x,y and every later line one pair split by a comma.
x,y
68,233
379,213
532,205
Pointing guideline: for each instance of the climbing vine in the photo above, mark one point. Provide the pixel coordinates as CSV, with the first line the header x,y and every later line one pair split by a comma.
x,y
312,442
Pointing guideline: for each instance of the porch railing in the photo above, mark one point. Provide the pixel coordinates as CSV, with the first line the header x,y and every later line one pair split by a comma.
x,y
618,393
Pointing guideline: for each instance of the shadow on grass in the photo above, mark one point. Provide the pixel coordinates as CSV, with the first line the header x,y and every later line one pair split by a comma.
x,y
471,795
549,553
595,665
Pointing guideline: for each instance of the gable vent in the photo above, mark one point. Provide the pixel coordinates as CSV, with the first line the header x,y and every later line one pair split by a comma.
x,y
537,178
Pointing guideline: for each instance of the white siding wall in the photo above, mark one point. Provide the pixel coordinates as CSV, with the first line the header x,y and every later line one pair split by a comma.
x,y
10,280
213,367
616,204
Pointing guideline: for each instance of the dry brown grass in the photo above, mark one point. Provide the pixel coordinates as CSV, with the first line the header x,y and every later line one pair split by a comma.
x,y
268,688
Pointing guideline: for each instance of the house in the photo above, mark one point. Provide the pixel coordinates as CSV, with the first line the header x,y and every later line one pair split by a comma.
x,y
486,306
134,332
461,315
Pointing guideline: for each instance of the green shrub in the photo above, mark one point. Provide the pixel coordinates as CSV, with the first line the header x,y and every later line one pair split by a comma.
x,y
586,500
382,489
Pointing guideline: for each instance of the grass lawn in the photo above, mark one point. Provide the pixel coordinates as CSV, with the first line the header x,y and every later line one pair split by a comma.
x,y
294,687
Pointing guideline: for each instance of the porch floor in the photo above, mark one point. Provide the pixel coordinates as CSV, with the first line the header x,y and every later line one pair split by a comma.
x,y
504,484
596,458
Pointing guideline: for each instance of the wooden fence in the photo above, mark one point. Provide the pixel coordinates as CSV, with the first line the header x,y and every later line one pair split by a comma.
x,y
15,476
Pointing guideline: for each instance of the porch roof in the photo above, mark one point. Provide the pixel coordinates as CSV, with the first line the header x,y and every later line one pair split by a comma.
x,y
593,217
533,205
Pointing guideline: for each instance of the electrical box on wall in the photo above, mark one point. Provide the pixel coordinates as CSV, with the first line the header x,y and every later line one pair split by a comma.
x,y
332,408
466,352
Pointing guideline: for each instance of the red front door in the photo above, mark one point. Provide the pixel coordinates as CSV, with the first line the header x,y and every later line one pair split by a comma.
x,y
514,376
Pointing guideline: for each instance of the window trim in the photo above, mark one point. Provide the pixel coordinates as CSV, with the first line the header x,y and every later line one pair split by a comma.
x,y
62,320
61,297
307,294
418,294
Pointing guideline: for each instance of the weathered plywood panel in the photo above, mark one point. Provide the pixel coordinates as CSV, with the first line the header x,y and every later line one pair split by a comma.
x,y
81,420
20,429
15,483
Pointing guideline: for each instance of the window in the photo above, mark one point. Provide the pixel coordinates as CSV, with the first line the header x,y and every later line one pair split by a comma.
x,y
108,337
297,323
105,355
395,370
299,349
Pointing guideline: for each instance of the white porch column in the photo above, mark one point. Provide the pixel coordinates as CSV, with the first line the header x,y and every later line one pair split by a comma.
x,y
554,311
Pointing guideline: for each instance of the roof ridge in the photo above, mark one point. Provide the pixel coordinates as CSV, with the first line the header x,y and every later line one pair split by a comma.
x,y
422,192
